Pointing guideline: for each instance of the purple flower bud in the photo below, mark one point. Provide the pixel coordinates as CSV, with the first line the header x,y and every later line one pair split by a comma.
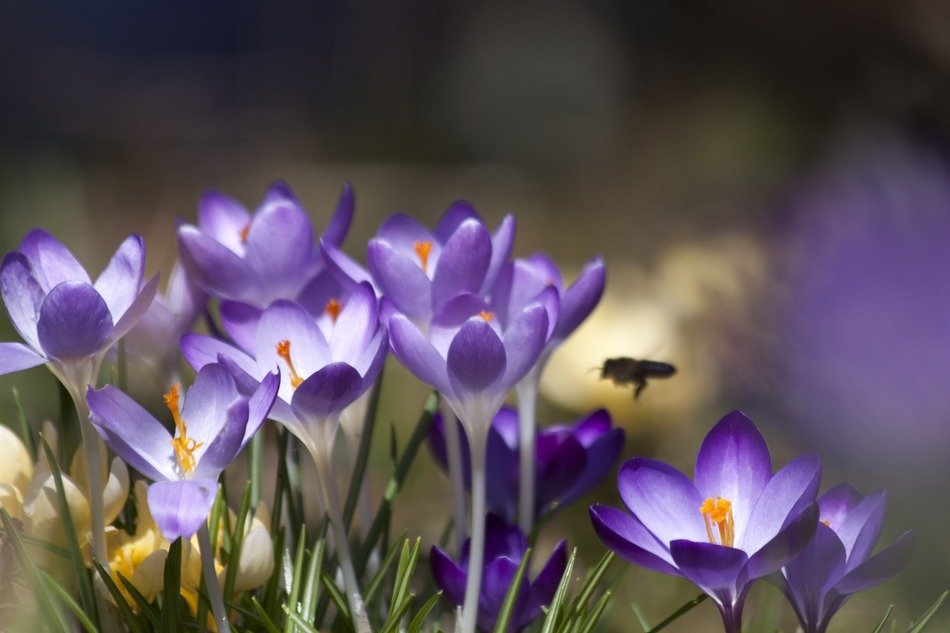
x,y
734,523
837,562
258,259
504,548
570,460
213,422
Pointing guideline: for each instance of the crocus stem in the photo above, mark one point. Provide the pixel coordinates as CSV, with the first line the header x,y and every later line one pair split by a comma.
x,y
90,442
476,552
321,458
211,580
732,618
527,391
453,449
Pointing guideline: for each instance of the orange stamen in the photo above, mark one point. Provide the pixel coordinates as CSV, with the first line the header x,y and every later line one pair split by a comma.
x,y
243,232
333,308
283,350
486,316
183,445
718,512
422,252
826,522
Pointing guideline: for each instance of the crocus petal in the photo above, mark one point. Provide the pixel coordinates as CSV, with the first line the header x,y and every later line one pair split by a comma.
x,y
223,219
542,590
518,285
502,242
370,363
476,358
837,502
448,576
180,507
496,579
16,357
602,454
215,267
119,282
525,337
400,279
225,445
342,217
446,323
288,321
327,392
545,267
462,264
786,494
74,321
200,350
716,569
663,499
51,262
279,249
344,268
452,218
22,295
136,310
789,541
734,463
862,526
809,575
559,462
356,325
211,393
628,538
240,322
415,351
132,433
402,232
578,301
260,403
879,567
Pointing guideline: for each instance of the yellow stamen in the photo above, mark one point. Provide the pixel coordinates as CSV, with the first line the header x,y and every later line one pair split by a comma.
x,y
333,308
826,522
718,511
243,232
183,445
486,316
422,252
283,350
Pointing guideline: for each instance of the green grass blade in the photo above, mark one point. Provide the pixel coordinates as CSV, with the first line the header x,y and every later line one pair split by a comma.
x,y
86,594
419,619
597,612
508,606
377,581
362,455
299,621
237,542
67,600
128,616
593,581
642,618
928,615
880,625
141,602
686,608
408,558
338,598
171,590
293,598
554,610
262,616
396,615
26,433
312,583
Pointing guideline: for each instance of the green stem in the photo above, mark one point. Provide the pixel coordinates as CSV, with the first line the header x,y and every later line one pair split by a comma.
x,y
211,580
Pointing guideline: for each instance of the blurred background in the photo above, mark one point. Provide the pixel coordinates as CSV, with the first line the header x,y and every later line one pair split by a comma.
x,y
769,184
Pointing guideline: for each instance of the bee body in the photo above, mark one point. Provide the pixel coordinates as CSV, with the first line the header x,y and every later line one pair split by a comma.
x,y
624,371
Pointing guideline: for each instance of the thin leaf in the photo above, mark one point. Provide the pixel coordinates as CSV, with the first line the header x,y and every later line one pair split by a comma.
x,y
312,583
293,598
686,608
128,616
66,599
171,590
255,456
641,617
376,582
919,625
338,598
597,612
551,617
263,617
593,581
142,604
396,615
299,621
508,606
404,571
419,619
880,625
237,542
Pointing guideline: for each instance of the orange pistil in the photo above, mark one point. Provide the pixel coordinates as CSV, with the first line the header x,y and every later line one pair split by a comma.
x,y
333,308
183,445
422,252
283,350
486,316
243,232
718,511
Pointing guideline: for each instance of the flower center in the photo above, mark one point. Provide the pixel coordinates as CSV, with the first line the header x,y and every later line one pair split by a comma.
x,y
718,512
183,445
422,252
243,232
333,308
486,316
283,350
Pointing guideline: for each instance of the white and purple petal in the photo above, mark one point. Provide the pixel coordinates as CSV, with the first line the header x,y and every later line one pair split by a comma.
x,y
180,507
74,321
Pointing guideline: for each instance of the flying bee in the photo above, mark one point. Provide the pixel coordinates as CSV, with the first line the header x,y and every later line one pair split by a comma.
x,y
626,371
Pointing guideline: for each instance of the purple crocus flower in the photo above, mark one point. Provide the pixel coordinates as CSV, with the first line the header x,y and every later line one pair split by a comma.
x,y
258,259
213,422
419,270
68,321
734,523
570,459
504,548
837,562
